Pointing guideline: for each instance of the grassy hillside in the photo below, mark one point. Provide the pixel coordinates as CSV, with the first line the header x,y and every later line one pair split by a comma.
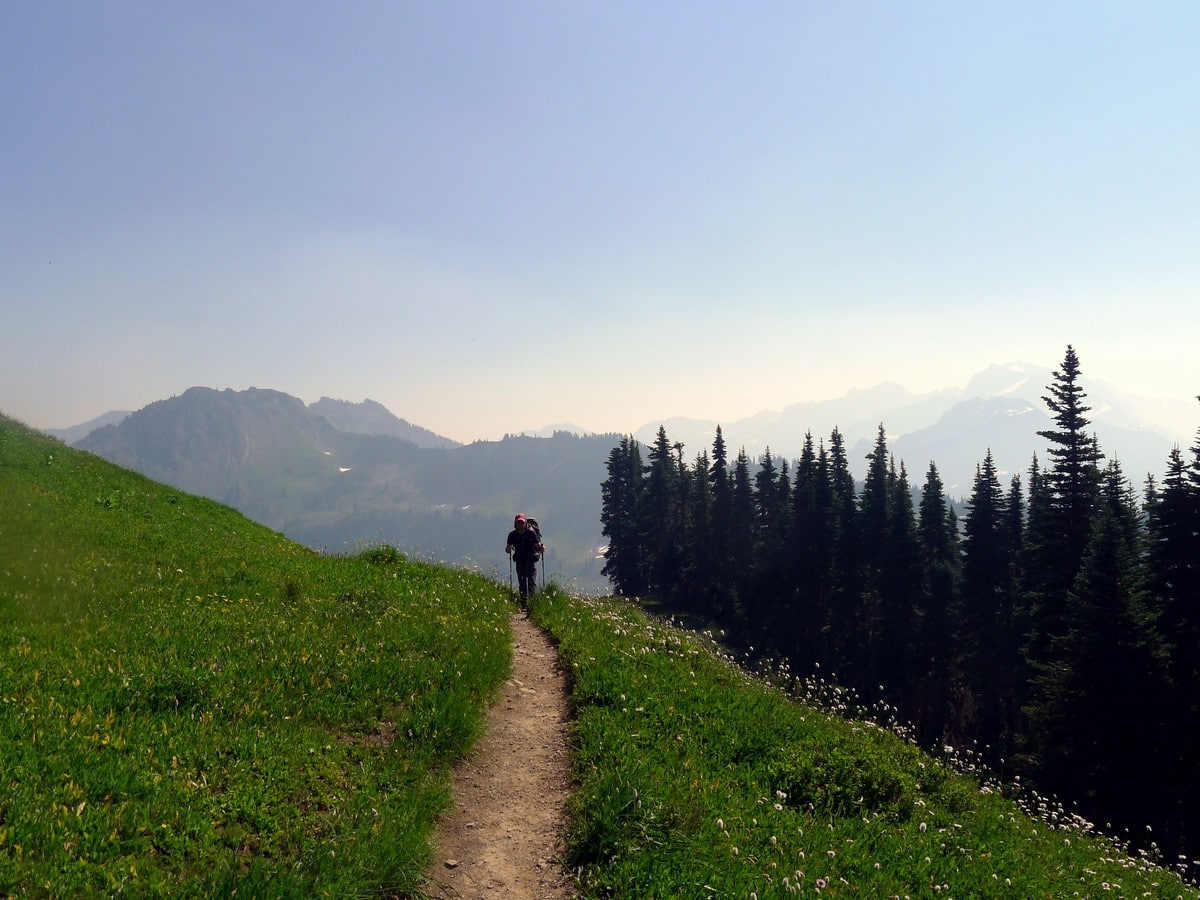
x,y
696,780
190,704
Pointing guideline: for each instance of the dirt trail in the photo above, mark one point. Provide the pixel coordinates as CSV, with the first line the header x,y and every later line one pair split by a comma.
x,y
503,837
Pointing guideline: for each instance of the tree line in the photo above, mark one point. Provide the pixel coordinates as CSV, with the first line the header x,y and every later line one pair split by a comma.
x,y
1053,628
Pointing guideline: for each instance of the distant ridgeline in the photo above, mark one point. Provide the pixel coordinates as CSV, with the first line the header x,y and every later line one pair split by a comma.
x,y
1054,630
338,475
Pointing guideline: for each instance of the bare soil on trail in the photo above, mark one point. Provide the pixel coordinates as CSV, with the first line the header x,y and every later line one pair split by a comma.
x,y
503,836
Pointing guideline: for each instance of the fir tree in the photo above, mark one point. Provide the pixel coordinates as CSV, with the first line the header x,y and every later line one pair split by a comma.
x,y
1062,505
1173,556
721,533
985,632
739,548
1072,480
941,571
825,576
661,520
700,562
1099,719
845,596
805,573
625,563
899,596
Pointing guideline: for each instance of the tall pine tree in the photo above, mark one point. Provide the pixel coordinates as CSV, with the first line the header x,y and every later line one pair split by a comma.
x,y
1061,511
625,562
662,520
1099,721
985,632
942,573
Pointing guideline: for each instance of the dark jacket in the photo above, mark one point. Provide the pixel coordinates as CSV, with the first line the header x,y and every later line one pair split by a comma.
x,y
524,544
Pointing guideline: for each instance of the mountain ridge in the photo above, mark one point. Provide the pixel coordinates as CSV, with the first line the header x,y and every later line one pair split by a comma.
x,y
333,474
284,465
1129,428
371,417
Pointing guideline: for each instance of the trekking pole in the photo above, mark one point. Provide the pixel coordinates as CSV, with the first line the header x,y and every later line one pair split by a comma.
x,y
510,587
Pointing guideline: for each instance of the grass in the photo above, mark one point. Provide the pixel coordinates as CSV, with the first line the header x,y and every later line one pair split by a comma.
x,y
696,780
192,705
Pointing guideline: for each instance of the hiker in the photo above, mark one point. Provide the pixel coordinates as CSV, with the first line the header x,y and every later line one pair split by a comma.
x,y
524,548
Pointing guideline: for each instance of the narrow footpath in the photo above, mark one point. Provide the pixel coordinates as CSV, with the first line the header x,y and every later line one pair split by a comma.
x,y
503,836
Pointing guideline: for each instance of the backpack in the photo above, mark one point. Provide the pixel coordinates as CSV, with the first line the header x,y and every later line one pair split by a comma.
x,y
532,524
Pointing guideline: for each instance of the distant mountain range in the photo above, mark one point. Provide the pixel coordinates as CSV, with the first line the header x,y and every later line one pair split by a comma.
x,y
372,479
1001,408
370,417
336,474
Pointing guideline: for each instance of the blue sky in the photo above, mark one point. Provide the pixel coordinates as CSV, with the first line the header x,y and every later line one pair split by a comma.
x,y
493,216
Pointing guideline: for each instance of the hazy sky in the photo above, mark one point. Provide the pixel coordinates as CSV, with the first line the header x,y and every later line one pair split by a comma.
x,y
493,216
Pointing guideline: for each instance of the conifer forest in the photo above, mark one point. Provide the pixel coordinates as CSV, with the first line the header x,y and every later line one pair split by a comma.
x,y
1050,626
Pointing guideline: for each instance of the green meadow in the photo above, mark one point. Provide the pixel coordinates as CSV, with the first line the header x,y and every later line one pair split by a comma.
x,y
192,705
696,779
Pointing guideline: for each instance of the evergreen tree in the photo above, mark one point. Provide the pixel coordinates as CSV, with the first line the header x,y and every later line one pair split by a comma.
x,y
739,549
779,558
1072,481
873,507
1037,547
825,576
1062,506
1120,501
771,493
941,572
766,506
1173,557
985,631
1173,531
844,597
625,563
805,572
757,601
720,482
841,483
1014,672
700,559
899,597
661,521
1100,723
